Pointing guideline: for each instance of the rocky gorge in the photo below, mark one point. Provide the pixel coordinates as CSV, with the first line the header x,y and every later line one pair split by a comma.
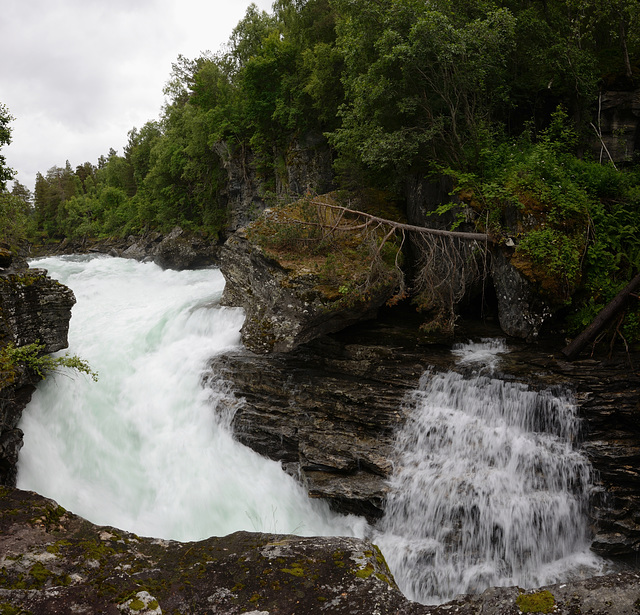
x,y
328,411
323,392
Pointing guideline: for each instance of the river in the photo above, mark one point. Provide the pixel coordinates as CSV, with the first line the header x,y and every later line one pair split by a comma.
x,y
489,487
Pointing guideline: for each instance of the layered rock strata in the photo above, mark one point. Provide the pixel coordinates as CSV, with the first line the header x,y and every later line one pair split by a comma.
x,y
329,410
608,392
33,309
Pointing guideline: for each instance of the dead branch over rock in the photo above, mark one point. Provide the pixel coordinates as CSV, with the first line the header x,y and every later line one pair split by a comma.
x,y
447,262
404,227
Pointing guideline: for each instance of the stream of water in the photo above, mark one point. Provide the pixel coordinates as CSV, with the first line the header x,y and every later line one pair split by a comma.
x,y
144,448
489,487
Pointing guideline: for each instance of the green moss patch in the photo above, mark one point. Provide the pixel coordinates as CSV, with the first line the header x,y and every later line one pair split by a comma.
x,y
540,602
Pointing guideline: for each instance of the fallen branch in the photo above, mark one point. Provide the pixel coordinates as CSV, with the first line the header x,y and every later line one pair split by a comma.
x,y
603,317
410,227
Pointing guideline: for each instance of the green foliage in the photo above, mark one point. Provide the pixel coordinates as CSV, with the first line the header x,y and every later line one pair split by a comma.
x,y
309,238
31,356
553,258
6,173
15,218
499,95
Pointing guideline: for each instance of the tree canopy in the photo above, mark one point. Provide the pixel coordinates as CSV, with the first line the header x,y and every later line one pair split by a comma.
x,y
498,95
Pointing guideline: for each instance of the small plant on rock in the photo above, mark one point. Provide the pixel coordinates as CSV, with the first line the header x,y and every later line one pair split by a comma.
x,y
33,357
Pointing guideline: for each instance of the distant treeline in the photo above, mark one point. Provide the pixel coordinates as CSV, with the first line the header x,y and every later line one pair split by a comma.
x,y
497,95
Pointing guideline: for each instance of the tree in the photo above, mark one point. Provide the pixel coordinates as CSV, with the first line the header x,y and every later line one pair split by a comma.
x,y
6,173
421,82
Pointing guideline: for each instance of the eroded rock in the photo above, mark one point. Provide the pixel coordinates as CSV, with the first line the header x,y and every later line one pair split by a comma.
x,y
33,309
522,310
329,410
53,561
285,306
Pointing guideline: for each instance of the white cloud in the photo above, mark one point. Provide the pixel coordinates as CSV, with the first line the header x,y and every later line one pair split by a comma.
x,y
79,74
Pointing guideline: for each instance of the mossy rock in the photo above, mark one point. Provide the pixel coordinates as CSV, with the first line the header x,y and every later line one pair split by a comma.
x,y
539,602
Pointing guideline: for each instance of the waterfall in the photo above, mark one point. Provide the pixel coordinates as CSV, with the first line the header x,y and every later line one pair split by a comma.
x,y
145,449
489,487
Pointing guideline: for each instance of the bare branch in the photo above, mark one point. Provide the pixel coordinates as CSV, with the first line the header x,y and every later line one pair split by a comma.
x,y
412,227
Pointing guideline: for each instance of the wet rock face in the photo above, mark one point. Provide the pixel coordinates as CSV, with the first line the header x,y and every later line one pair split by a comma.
x,y
329,410
607,393
609,396
33,308
521,309
284,307
52,561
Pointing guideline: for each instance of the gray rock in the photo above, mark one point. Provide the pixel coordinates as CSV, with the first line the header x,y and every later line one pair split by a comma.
x,y
619,123
284,307
521,309
55,562
179,251
33,308
328,410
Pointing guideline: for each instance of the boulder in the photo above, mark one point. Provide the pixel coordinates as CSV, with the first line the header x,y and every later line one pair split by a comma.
x,y
179,251
522,309
285,305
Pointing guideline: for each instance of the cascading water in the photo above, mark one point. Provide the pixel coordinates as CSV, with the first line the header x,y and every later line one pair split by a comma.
x,y
489,488
143,449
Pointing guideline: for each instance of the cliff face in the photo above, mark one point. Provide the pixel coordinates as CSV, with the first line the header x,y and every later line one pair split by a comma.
x,y
33,308
304,167
329,411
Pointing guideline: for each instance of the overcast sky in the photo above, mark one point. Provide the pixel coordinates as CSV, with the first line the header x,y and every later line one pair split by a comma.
x,y
77,75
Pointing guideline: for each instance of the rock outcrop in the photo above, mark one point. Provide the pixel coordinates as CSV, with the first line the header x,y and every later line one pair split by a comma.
x,y
524,304
522,310
329,410
619,125
33,309
304,167
608,392
52,561
177,250
284,305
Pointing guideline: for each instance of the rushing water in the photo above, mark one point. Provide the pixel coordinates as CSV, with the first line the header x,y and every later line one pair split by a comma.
x,y
144,448
489,489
